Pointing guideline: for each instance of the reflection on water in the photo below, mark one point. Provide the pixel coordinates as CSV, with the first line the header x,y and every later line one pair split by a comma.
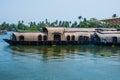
x,y
62,52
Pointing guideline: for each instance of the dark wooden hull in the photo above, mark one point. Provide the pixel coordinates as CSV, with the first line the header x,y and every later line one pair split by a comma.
x,y
13,42
106,44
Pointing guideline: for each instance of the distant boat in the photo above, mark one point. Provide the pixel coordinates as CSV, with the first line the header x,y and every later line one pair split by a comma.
x,y
3,31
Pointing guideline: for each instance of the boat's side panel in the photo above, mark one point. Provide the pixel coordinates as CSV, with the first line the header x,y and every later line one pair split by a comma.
x,y
13,42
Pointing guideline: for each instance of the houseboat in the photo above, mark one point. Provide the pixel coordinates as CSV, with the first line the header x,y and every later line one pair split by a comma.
x,y
3,31
67,36
106,37
53,36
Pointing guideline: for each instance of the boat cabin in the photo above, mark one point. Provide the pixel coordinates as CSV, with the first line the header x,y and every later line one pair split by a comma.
x,y
109,37
50,35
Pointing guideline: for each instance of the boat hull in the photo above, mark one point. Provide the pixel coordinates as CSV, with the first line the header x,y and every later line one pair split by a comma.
x,y
14,42
37,43
106,44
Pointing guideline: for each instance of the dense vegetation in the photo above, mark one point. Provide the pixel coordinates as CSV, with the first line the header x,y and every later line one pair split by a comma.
x,y
33,26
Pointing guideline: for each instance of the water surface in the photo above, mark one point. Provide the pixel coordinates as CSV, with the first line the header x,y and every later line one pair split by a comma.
x,y
82,62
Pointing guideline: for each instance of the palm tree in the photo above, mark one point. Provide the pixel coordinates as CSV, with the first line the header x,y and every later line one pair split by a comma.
x,y
114,15
79,17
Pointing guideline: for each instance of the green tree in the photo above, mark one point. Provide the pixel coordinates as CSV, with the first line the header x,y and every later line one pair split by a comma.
x,y
4,26
74,25
114,15
80,17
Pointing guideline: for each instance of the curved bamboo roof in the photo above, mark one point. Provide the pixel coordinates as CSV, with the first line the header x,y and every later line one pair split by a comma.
x,y
62,30
106,29
110,32
108,35
54,30
80,29
112,21
29,36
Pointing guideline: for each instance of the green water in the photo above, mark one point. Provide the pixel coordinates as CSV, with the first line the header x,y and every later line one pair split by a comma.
x,y
82,62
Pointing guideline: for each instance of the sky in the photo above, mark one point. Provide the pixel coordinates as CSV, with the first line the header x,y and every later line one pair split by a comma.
x,y
12,11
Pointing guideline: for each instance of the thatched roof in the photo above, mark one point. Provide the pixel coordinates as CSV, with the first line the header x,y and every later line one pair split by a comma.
x,y
112,21
61,29
106,29
108,37
64,32
53,30
109,32
113,18
79,29
29,36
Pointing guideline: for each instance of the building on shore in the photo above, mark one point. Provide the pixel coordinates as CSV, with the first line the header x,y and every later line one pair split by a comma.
x,y
115,21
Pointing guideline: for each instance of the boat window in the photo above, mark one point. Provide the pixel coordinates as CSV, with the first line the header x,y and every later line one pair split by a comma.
x,y
81,38
13,37
73,38
114,39
104,40
45,38
95,37
86,38
21,38
57,37
39,38
68,38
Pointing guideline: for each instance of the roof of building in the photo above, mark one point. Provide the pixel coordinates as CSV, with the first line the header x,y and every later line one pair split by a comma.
x,y
79,29
112,21
107,34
